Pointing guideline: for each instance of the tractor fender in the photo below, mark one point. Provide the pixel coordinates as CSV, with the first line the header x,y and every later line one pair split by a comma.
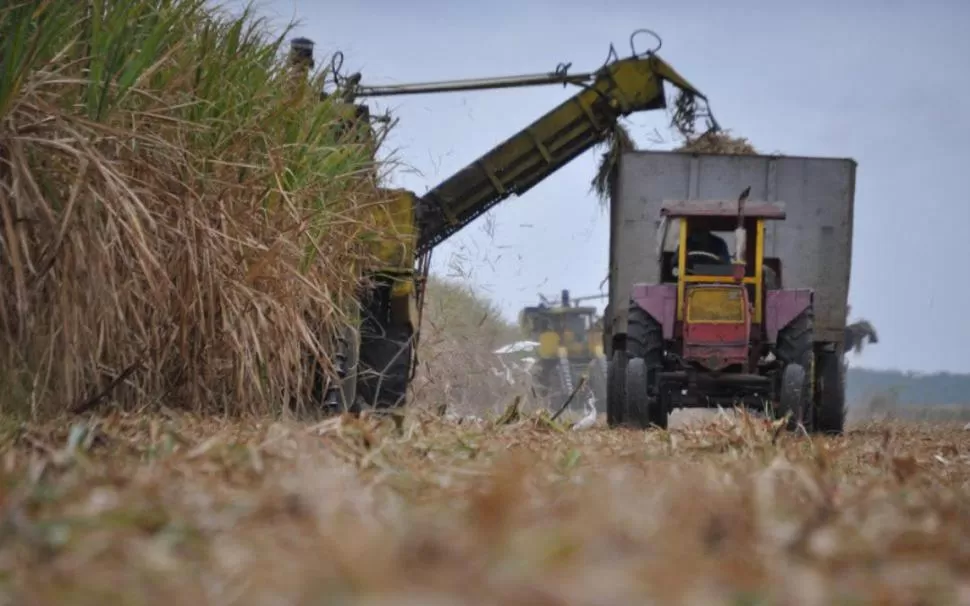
x,y
783,306
660,302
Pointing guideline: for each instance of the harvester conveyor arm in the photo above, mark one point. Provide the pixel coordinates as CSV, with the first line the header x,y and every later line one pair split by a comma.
x,y
451,86
516,165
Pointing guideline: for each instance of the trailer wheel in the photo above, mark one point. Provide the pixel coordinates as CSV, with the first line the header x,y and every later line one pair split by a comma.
x,y
616,389
795,347
830,384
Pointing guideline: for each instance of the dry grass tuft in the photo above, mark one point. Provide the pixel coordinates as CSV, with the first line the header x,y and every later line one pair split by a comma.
x,y
174,210
457,369
719,142
620,141
180,509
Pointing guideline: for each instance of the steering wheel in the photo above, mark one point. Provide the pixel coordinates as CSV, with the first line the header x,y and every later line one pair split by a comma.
x,y
703,254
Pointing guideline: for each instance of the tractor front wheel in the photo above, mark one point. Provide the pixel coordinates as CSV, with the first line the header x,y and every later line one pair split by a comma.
x,y
616,389
637,398
645,343
642,409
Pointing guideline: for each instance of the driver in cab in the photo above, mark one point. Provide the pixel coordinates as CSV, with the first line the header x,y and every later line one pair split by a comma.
x,y
702,240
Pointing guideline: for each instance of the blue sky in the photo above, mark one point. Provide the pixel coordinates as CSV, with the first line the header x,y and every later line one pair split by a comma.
x,y
884,82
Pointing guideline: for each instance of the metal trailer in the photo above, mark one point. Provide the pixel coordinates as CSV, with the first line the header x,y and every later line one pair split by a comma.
x,y
814,243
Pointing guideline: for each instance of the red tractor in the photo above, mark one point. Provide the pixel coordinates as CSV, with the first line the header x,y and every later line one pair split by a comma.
x,y
718,329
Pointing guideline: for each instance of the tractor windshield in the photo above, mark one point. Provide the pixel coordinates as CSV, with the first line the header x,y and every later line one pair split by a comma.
x,y
711,247
704,241
576,324
714,241
709,252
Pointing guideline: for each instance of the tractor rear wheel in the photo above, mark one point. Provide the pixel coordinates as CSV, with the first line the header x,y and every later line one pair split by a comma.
x,y
795,347
830,384
616,389
644,338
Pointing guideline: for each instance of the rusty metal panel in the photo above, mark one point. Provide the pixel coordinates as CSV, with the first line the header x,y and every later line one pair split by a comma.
x,y
814,242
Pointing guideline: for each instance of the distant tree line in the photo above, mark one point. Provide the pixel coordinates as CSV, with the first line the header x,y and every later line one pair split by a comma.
x,y
863,384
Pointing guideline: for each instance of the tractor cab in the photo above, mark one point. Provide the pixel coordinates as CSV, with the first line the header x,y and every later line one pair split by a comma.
x,y
720,278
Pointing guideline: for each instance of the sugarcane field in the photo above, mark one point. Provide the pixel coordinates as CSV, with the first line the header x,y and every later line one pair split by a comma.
x,y
305,303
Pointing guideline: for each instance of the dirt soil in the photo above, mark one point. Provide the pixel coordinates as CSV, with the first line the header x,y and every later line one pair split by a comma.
x,y
173,509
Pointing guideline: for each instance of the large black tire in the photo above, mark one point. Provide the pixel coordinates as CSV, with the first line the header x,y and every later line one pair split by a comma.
x,y
616,389
385,367
644,409
830,388
637,393
795,345
644,339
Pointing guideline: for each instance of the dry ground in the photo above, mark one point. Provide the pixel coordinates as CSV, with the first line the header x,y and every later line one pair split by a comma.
x,y
172,509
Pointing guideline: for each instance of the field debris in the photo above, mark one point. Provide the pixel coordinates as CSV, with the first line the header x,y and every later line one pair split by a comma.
x,y
179,508
718,142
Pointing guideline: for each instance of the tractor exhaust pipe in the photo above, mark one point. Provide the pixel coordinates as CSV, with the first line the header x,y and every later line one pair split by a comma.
x,y
740,237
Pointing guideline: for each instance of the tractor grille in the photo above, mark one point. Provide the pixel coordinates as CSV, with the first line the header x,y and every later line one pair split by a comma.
x,y
714,305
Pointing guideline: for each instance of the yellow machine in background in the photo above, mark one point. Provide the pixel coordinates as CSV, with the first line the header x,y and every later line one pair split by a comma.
x,y
376,361
570,340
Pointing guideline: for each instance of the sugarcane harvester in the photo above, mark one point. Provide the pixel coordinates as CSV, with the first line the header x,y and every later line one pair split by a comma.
x,y
570,338
375,364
